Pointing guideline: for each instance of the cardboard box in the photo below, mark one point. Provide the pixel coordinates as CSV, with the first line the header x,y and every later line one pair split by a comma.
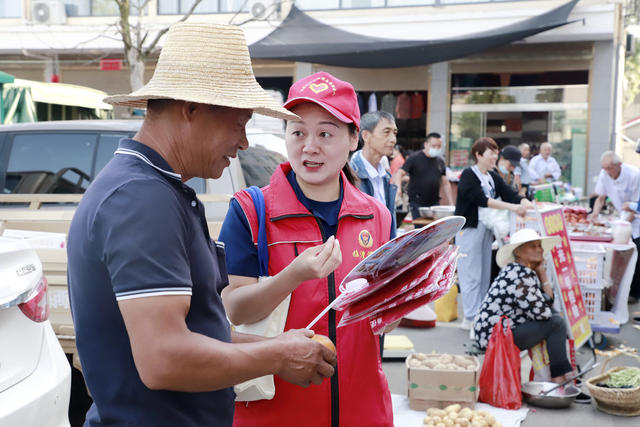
x,y
438,388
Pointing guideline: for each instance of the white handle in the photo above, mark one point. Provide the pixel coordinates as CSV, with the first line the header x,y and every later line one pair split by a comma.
x,y
323,312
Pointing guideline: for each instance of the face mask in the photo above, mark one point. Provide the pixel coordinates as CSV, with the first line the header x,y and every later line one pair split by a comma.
x,y
503,170
434,152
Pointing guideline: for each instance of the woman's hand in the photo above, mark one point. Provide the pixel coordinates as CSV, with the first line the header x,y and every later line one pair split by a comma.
x,y
317,262
519,209
527,203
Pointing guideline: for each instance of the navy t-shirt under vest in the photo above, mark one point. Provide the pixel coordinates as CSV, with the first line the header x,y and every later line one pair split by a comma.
x,y
140,232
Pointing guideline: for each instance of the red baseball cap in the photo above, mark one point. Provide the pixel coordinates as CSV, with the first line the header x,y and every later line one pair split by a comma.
x,y
335,96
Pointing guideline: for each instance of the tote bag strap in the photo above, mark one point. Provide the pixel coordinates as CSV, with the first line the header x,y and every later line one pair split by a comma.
x,y
263,250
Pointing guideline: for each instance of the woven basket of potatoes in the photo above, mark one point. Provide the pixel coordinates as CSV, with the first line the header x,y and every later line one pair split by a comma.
x,y
457,416
444,362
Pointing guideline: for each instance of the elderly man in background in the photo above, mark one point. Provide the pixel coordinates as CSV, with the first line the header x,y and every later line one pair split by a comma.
x,y
378,131
621,184
544,168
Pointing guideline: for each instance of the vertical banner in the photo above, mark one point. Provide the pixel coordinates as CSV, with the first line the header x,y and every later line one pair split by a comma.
x,y
552,221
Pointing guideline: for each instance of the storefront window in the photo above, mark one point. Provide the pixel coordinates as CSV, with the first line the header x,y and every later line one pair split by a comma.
x,y
10,9
531,114
357,4
97,7
179,7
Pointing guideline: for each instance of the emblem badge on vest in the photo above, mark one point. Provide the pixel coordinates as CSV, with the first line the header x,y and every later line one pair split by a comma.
x,y
365,239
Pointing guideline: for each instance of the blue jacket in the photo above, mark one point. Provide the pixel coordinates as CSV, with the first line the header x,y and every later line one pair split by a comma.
x,y
365,185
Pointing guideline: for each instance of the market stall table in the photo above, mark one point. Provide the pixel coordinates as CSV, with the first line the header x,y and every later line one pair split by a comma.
x,y
619,268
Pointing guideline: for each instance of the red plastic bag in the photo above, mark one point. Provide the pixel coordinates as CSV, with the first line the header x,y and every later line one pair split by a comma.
x,y
500,376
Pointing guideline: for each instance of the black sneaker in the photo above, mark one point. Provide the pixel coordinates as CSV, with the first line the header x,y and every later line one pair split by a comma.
x,y
583,398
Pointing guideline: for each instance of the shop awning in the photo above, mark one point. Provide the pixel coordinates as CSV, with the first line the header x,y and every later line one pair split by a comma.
x,y
301,38
65,94
6,78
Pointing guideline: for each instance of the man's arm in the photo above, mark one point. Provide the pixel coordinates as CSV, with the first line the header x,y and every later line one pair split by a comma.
x,y
446,187
168,356
555,170
597,206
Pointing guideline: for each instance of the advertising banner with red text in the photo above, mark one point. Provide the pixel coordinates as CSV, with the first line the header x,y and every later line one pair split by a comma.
x,y
567,278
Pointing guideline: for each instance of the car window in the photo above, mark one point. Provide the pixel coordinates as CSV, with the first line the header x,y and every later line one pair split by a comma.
x,y
50,163
258,164
107,145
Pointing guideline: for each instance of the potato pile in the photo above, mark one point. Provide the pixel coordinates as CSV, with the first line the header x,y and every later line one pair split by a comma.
x,y
445,362
456,416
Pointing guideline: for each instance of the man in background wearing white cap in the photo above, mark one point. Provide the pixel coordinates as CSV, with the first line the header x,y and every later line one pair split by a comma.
x,y
144,275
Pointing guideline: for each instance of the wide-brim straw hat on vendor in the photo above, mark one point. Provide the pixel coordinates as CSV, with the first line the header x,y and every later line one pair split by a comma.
x,y
505,253
207,64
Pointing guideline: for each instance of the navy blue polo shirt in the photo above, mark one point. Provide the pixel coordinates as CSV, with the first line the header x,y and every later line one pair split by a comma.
x,y
140,232
242,254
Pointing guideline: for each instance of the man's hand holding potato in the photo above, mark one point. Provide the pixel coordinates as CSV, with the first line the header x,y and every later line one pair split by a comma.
x,y
304,361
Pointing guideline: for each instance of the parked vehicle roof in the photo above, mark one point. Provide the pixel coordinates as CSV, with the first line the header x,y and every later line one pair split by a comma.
x,y
75,125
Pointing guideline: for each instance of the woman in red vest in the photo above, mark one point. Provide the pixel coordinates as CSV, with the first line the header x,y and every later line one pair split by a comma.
x,y
319,226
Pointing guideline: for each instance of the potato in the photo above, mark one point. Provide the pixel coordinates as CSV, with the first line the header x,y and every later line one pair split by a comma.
x,y
325,341
413,363
464,422
441,425
461,361
426,420
447,422
446,358
419,356
453,408
466,413
436,412
429,364
482,413
479,423
490,419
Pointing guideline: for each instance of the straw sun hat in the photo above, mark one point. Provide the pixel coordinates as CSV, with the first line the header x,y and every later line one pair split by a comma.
x,y
505,253
208,64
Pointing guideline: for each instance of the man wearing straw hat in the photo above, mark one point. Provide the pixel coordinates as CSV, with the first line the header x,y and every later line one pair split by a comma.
x,y
144,275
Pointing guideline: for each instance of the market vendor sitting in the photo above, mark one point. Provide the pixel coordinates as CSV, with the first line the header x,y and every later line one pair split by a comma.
x,y
522,292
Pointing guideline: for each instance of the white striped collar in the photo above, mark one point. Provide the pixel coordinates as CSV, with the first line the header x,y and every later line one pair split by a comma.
x,y
145,159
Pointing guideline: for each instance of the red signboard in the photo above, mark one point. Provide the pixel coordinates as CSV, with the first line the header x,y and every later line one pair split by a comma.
x,y
111,64
553,225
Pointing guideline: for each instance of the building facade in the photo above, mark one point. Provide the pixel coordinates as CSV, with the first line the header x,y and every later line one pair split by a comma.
x,y
561,85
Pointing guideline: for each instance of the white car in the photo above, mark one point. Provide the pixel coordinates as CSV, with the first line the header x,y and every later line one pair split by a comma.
x,y
35,376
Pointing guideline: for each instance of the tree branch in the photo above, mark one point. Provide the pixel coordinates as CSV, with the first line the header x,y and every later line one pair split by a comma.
x,y
162,32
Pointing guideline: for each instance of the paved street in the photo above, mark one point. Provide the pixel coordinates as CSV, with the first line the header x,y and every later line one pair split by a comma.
x,y
449,338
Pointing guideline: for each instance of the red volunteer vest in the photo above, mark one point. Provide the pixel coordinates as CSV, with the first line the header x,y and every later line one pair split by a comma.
x,y
358,394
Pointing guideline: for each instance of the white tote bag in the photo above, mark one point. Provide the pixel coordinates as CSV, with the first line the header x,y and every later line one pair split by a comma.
x,y
271,326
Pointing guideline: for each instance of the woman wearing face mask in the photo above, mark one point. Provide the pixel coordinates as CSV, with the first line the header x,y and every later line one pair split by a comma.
x,y
311,205
508,161
480,186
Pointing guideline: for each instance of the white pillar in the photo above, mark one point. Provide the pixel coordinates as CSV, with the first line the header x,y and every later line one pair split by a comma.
x,y
602,113
438,107
302,69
